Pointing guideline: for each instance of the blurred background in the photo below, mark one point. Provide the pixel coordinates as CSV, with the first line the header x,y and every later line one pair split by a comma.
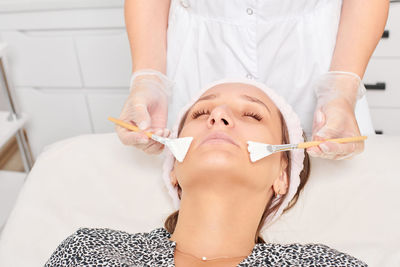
x,y
65,67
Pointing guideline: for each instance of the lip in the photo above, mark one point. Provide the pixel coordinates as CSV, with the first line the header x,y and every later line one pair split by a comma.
x,y
219,136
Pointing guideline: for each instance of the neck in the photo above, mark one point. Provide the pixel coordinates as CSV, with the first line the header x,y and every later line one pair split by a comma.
x,y
222,222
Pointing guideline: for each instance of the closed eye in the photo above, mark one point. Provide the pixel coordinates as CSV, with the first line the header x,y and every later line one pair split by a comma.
x,y
253,115
199,113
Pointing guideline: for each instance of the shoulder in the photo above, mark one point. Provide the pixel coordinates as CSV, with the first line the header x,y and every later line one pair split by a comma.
x,y
90,244
109,235
306,255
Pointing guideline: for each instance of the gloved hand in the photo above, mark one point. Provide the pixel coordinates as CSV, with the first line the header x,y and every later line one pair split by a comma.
x,y
147,108
337,94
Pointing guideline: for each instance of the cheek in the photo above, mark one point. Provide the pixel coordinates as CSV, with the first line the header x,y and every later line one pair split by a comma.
x,y
177,172
269,132
190,128
259,133
185,172
266,170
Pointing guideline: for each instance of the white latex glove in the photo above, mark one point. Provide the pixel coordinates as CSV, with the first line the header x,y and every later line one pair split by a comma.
x,y
337,94
147,108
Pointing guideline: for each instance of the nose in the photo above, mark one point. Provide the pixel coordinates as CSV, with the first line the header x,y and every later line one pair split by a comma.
x,y
220,116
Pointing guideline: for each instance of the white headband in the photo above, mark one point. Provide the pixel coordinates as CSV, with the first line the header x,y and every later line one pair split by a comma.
x,y
295,132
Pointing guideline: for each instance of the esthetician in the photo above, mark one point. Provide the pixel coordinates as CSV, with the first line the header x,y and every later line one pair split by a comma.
x,y
313,52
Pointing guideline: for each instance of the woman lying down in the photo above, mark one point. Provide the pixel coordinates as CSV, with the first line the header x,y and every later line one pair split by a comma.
x,y
224,200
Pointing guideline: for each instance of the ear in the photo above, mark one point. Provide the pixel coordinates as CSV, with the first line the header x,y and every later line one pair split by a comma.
x,y
173,179
281,183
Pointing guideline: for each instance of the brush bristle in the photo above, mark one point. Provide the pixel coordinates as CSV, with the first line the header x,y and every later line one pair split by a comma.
x,y
179,147
257,150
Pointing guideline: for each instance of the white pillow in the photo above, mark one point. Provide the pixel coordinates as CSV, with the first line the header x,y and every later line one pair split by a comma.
x,y
95,181
351,205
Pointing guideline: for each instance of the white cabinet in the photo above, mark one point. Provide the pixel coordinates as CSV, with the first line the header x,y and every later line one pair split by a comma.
x,y
103,104
32,17
41,61
104,58
70,65
75,59
390,42
386,120
382,77
55,114
383,73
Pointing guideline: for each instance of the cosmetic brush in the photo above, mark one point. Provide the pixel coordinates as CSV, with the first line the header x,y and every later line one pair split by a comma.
x,y
260,150
178,146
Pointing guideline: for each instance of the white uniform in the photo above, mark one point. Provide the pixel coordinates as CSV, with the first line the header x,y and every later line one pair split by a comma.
x,y
285,44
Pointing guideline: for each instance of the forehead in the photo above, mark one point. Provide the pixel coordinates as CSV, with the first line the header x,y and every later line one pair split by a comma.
x,y
238,89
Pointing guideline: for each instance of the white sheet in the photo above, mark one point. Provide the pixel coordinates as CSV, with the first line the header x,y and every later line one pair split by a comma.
x,y
95,181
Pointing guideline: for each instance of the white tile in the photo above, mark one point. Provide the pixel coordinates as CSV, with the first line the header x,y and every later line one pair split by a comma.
x,y
103,105
42,61
386,120
389,47
383,70
105,59
54,115
73,18
31,5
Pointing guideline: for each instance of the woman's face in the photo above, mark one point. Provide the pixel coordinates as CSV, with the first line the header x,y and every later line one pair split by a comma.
x,y
221,122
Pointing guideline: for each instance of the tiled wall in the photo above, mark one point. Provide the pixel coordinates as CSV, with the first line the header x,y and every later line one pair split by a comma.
x,y
70,70
383,68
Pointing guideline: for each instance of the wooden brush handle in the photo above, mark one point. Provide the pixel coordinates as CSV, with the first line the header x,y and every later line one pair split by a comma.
x,y
337,140
128,126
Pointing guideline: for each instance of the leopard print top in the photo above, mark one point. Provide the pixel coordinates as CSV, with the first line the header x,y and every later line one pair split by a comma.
x,y
106,247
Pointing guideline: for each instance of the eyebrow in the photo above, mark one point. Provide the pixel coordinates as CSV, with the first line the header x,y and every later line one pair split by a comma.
x,y
256,100
245,97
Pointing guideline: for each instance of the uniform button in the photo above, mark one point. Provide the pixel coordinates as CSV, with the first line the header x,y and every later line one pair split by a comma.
x,y
249,76
185,3
249,11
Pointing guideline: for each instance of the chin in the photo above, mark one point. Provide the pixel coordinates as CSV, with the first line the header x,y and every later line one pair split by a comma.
x,y
217,159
